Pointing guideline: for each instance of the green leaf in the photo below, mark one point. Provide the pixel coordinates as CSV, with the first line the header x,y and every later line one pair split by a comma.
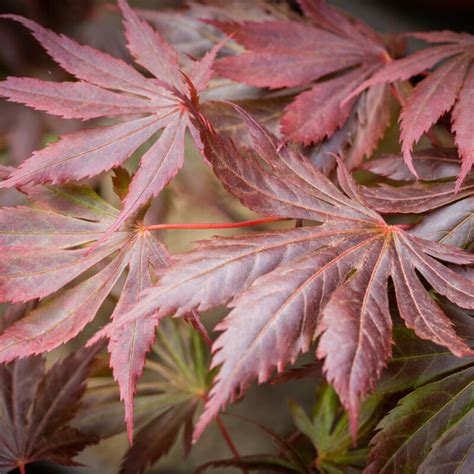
x,y
419,422
416,362
454,450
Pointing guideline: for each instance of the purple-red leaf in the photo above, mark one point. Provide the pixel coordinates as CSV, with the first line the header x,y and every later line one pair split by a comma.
x,y
72,99
289,53
430,165
37,407
129,345
284,286
150,50
415,197
41,255
427,428
453,224
430,100
157,438
109,87
449,87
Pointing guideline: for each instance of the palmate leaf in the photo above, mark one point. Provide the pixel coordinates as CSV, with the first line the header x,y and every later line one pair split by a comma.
x,y
415,363
290,53
184,29
436,188
109,87
177,378
431,164
450,87
44,248
450,224
430,431
286,287
36,407
328,430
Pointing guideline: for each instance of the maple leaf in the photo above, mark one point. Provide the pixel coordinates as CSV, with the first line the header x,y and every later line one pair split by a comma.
x,y
286,287
416,197
109,87
430,427
416,362
36,409
431,164
183,379
452,224
449,87
177,378
184,29
228,122
188,32
289,53
46,247
449,224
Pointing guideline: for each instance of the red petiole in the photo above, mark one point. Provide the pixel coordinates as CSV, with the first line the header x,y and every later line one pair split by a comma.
x,y
222,225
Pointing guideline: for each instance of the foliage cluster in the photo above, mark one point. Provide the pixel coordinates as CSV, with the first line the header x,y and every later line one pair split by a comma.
x,y
370,266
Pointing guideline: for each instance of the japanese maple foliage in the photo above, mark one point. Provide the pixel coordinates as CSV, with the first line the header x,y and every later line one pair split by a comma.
x,y
370,268
38,405
330,279
109,87
450,86
283,54
48,236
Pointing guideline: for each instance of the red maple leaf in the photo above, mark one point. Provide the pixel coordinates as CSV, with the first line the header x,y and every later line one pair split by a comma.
x,y
46,247
449,87
109,87
287,287
337,52
37,406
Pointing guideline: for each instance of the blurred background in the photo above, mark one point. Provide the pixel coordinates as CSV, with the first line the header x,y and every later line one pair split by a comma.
x,y
187,199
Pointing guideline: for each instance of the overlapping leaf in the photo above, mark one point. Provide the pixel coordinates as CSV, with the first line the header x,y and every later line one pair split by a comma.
x,y
430,431
329,450
108,86
416,196
329,434
44,248
36,407
450,87
430,164
453,224
451,221
290,53
184,379
286,287
184,29
415,363
177,380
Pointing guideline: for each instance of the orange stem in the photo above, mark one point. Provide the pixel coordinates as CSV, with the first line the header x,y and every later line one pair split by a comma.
x,y
222,225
